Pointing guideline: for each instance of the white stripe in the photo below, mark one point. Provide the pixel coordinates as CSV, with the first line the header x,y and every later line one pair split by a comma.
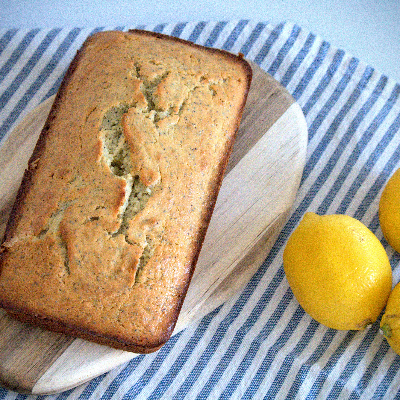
x,y
224,34
328,119
229,337
291,54
276,46
23,58
318,73
49,82
388,360
347,153
316,79
188,30
197,352
281,355
168,28
243,36
308,351
205,33
163,369
264,347
259,42
342,362
12,45
33,75
255,330
320,365
325,97
373,173
369,355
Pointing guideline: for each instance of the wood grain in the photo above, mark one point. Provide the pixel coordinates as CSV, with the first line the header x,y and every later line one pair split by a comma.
x,y
257,193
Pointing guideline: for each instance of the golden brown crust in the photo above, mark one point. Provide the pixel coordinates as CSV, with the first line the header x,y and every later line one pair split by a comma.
x,y
114,206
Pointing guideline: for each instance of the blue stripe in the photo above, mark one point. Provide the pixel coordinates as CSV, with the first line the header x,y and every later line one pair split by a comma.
x,y
311,360
298,212
225,324
6,95
284,50
140,26
333,99
196,371
291,357
370,371
323,375
383,386
298,60
311,71
360,145
211,347
325,81
64,395
177,31
159,28
148,374
6,39
270,356
3,393
268,44
35,86
319,119
54,88
255,34
21,397
213,37
373,158
122,377
17,53
380,181
242,332
353,362
90,387
187,351
236,31
197,31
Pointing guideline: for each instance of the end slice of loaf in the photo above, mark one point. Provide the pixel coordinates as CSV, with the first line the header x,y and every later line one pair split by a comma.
x,y
114,206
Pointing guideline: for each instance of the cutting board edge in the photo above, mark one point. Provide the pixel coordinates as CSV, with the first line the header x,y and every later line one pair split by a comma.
x,y
37,389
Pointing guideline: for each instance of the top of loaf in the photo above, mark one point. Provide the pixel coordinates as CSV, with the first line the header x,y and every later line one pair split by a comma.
x,y
112,211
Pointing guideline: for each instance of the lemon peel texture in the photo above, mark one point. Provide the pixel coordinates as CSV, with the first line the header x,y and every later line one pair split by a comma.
x,y
338,271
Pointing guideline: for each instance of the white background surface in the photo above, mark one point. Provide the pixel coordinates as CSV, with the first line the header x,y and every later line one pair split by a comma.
x,y
367,29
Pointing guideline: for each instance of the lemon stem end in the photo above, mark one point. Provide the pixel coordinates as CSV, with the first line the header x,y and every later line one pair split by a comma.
x,y
386,330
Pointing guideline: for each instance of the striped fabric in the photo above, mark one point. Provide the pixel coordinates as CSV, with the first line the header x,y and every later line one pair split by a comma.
x,y
260,344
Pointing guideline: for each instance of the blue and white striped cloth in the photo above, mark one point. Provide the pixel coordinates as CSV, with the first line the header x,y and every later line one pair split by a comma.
x,y
260,344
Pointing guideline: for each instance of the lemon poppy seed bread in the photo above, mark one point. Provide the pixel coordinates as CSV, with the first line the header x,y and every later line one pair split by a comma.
x,y
113,208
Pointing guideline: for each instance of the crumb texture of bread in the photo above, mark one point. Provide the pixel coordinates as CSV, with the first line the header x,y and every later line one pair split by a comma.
x,y
114,205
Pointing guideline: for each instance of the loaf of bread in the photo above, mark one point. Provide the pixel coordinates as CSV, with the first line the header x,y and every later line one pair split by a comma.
x,y
113,208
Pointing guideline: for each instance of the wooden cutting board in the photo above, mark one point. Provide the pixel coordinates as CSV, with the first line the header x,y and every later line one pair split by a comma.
x,y
256,196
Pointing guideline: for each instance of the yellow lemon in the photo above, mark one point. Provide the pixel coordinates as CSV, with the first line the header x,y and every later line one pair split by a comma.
x,y
389,211
390,322
338,271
